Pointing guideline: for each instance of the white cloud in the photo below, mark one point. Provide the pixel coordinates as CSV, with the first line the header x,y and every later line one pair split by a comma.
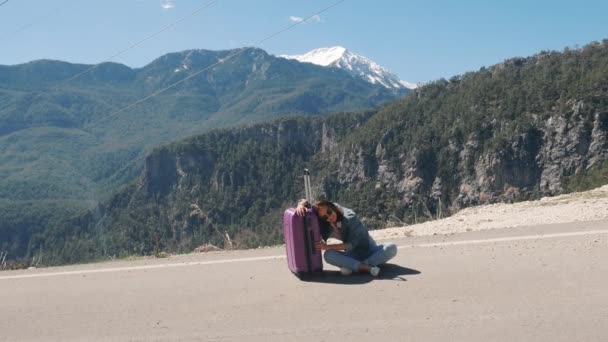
x,y
314,19
295,19
168,4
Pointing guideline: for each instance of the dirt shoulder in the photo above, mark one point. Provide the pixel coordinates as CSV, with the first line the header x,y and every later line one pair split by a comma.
x,y
575,207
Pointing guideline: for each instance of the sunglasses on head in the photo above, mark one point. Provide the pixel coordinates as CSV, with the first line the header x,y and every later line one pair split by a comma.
x,y
327,214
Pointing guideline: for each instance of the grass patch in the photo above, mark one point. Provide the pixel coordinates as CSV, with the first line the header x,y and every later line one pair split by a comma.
x,y
595,177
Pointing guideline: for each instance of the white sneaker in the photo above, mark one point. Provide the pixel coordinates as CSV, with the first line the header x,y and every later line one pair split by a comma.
x,y
374,271
346,271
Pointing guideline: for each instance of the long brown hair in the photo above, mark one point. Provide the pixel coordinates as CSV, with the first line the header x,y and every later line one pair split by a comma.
x,y
324,225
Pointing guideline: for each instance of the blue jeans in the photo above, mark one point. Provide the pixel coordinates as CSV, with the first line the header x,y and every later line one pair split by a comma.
x,y
380,255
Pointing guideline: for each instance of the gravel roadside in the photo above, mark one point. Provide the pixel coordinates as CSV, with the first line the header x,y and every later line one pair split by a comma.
x,y
590,205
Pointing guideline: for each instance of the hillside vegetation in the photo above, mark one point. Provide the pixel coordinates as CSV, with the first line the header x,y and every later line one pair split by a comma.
x,y
70,136
518,130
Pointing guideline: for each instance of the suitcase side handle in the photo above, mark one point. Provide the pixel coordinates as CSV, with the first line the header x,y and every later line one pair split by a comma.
x,y
312,244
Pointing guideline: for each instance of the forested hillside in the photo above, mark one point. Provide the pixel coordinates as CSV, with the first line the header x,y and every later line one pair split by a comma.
x,y
71,135
517,130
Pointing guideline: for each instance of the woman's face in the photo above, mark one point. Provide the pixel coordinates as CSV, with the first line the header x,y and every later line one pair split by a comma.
x,y
328,215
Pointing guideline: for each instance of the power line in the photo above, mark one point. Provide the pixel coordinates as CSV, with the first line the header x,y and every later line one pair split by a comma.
x,y
137,43
221,61
26,26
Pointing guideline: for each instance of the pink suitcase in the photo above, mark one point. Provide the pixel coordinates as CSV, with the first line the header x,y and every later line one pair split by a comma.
x,y
301,233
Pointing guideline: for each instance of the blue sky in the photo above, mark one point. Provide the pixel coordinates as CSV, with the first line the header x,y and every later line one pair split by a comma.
x,y
418,41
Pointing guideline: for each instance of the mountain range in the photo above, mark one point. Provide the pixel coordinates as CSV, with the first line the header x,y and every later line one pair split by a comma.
x,y
71,135
92,117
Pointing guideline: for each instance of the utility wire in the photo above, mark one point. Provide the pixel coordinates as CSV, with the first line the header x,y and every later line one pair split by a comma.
x,y
137,43
221,61
38,19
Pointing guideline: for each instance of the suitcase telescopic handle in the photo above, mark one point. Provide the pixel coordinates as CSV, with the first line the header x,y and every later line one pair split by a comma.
x,y
307,191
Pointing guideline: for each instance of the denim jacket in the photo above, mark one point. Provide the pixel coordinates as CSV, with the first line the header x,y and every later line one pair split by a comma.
x,y
354,235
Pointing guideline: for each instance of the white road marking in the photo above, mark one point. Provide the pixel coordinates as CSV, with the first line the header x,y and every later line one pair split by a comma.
x,y
511,238
274,257
146,267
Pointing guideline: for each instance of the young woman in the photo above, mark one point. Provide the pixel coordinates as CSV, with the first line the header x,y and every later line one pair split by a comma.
x,y
358,250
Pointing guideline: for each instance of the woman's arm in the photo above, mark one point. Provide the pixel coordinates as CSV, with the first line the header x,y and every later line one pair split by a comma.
x,y
322,246
356,236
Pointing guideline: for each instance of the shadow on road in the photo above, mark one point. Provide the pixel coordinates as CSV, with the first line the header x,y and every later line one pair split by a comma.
x,y
389,272
396,272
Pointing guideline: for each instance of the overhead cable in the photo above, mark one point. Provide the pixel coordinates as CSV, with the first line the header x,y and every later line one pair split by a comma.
x,y
237,53
137,43
35,21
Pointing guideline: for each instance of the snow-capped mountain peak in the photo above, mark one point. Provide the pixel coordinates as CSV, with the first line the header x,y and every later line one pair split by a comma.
x,y
357,65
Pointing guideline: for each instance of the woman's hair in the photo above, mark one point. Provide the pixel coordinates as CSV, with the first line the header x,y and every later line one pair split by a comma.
x,y
329,205
323,225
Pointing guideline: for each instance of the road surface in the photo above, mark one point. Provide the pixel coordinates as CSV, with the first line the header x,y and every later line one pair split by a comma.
x,y
541,283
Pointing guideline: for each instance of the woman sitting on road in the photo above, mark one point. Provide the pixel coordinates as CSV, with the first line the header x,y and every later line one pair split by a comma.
x,y
358,250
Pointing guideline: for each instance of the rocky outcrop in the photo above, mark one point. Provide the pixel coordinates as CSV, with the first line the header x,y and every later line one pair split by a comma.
x,y
532,163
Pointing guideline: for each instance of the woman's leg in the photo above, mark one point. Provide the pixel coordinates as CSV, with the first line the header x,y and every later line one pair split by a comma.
x,y
341,259
384,253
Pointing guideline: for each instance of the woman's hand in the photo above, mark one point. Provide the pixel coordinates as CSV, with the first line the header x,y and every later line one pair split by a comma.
x,y
321,246
301,208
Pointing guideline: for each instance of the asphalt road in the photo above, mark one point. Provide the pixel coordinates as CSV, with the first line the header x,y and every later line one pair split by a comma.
x,y
544,283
